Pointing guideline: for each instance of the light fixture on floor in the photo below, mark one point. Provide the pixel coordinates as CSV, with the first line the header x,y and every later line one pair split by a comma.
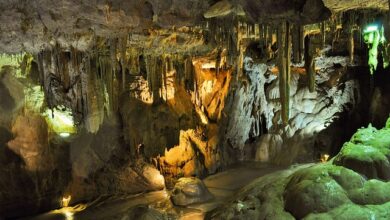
x,y
65,201
324,158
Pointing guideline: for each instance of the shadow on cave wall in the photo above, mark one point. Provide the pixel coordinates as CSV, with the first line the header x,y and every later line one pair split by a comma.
x,y
156,126
25,192
6,101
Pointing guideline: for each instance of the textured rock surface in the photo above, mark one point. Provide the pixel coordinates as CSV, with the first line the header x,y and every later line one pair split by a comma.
x,y
189,190
254,110
101,165
33,25
345,4
367,153
11,91
169,83
35,171
40,173
319,191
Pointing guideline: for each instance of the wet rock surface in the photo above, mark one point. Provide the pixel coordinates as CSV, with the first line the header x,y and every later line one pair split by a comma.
x,y
367,153
145,213
188,191
319,191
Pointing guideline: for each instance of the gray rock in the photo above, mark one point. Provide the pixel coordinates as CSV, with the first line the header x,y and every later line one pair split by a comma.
x,y
190,190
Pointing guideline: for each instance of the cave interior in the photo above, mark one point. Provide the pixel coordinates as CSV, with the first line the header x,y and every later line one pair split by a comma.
x,y
194,109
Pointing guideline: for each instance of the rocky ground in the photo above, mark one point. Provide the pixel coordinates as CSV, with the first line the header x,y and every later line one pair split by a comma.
x,y
159,204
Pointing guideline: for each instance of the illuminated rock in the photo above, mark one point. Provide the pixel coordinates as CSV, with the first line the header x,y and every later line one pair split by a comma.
x,y
154,177
318,189
31,142
60,120
329,190
367,153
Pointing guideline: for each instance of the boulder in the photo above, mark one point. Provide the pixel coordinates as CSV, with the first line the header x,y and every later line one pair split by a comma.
x,y
190,190
318,189
367,153
337,189
154,178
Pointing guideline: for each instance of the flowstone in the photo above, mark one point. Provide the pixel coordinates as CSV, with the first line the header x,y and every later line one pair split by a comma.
x,y
353,185
367,153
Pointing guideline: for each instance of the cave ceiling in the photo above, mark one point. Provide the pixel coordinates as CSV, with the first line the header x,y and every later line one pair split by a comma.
x,y
33,25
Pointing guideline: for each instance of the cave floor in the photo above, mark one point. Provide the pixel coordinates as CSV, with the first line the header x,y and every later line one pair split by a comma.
x,y
222,185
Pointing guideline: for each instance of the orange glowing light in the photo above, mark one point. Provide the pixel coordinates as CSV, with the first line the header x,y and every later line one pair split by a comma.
x,y
65,201
324,158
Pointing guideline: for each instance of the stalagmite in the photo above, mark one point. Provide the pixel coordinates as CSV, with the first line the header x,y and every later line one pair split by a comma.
x,y
284,52
309,64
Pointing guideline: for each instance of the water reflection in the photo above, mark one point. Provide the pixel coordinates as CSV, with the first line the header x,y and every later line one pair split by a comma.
x,y
68,212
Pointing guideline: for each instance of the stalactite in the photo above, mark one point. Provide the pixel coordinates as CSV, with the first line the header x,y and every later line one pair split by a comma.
x,y
284,52
106,82
386,51
336,29
301,43
224,34
39,58
218,60
241,50
165,70
189,73
123,61
387,24
323,34
154,65
268,36
113,47
351,44
84,86
298,40
309,64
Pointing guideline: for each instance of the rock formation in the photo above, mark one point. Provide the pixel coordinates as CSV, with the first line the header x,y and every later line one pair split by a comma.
x,y
335,189
110,97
